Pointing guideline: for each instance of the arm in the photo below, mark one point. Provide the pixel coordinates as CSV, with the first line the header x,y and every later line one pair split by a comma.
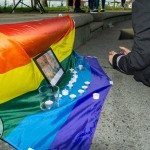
x,y
139,58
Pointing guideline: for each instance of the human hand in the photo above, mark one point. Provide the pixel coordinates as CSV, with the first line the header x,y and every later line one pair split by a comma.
x,y
124,50
110,56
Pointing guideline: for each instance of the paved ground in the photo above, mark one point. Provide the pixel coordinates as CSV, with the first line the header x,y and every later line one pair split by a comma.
x,y
125,119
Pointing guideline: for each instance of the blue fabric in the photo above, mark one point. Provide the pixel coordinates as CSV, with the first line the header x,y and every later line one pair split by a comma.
x,y
72,125
39,130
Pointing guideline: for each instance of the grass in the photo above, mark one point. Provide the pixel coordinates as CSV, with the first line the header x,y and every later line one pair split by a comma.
x,y
55,9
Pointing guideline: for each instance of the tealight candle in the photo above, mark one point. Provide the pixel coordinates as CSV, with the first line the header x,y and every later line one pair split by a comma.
x,y
71,82
96,95
48,104
80,91
74,72
60,96
111,82
65,92
70,85
72,96
30,148
87,82
80,67
74,80
75,76
84,87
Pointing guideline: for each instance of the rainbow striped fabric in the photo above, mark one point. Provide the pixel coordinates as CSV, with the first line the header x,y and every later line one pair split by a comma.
x,y
23,124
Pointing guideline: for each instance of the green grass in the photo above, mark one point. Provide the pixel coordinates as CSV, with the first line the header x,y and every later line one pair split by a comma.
x,y
55,9
27,9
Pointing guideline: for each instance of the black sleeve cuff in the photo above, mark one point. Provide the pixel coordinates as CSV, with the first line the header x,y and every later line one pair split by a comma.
x,y
115,61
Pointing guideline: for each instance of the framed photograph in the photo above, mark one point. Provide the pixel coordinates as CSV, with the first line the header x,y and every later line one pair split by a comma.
x,y
49,66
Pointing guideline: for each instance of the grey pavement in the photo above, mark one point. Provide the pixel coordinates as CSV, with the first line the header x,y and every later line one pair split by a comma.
x,y
125,121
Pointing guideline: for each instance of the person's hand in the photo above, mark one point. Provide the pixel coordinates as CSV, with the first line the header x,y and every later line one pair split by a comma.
x,y
110,57
124,50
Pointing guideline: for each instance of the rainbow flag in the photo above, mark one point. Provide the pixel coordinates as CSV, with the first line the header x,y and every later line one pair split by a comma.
x,y
23,124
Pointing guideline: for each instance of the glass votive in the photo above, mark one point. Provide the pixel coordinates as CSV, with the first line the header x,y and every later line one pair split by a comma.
x,y
45,90
46,104
80,63
60,96
80,67
49,97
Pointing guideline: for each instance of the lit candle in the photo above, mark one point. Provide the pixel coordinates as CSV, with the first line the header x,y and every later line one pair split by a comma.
x,y
80,67
72,96
48,104
74,72
87,82
65,92
96,95
75,76
84,87
70,85
73,80
80,91
60,96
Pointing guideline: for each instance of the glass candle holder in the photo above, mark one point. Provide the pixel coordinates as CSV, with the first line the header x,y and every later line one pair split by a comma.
x,y
80,63
49,97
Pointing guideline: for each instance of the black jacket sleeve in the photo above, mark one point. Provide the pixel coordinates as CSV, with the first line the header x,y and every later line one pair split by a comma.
x,y
139,58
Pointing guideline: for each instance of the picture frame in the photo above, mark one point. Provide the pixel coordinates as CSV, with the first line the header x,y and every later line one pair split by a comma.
x,y
49,66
